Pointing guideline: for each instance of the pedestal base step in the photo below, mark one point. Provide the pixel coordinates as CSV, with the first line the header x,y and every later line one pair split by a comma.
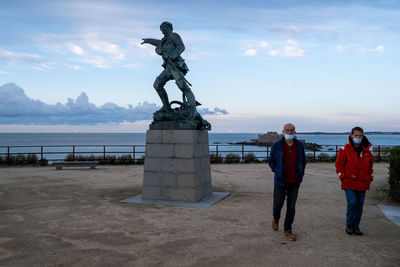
x,y
204,203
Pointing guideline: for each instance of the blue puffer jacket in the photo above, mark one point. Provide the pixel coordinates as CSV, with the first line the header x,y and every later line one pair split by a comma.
x,y
277,165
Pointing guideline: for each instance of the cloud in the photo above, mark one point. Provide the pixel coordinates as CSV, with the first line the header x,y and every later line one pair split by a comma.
x,y
359,48
17,108
253,47
379,49
215,111
76,49
288,48
14,58
250,52
289,30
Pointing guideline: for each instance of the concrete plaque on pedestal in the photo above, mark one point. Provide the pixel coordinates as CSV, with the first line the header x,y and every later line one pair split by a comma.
x,y
177,166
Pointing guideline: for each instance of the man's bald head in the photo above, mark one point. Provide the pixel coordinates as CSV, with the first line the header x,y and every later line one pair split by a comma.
x,y
289,128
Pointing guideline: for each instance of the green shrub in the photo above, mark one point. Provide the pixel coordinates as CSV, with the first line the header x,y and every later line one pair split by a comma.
x,y
44,162
250,157
31,158
69,157
394,174
18,159
92,157
140,160
215,159
324,157
310,157
232,158
125,159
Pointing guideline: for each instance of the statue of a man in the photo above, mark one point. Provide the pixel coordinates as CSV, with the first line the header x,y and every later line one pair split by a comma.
x,y
170,47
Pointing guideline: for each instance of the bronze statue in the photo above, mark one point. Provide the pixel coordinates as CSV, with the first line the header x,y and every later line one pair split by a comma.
x,y
170,47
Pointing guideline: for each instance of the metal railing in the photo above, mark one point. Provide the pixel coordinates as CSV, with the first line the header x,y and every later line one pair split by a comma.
x,y
135,152
61,152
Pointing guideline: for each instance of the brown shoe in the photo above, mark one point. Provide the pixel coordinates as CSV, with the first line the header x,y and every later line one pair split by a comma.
x,y
275,224
290,236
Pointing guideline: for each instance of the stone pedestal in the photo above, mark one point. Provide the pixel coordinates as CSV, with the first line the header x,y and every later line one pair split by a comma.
x,y
176,166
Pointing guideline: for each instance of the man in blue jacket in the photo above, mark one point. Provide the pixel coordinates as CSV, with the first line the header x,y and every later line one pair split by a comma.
x,y
288,161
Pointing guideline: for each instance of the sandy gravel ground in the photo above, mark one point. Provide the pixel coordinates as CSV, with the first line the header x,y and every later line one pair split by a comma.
x,y
73,217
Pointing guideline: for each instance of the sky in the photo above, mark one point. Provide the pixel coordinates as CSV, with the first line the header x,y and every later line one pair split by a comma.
x,y
78,66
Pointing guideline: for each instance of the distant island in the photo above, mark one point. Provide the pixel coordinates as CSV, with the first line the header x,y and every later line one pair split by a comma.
x,y
271,137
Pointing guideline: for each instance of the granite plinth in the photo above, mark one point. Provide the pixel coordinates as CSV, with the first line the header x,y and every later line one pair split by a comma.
x,y
176,166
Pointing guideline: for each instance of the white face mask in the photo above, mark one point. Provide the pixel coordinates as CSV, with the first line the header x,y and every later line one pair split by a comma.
x,y
357,140
289,137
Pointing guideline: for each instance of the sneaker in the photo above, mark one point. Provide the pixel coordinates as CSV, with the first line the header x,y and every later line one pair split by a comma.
x,y
275,224
290,236
357,231
349,230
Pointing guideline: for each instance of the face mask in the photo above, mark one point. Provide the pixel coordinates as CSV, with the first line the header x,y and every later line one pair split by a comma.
x,y
289,137
357,140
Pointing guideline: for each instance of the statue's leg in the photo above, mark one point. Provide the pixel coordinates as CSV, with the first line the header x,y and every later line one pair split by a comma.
x,y
190,105
159,83
187,92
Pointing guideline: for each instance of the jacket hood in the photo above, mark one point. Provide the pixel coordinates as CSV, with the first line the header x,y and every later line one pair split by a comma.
x,y
364,142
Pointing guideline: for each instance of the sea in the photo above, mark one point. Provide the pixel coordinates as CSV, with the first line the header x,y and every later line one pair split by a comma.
x,y
57,145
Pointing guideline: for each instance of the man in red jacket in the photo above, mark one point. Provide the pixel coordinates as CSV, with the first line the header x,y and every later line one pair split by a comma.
x,y
354,168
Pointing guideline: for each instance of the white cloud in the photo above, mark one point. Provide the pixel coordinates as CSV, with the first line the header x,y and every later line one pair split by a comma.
x,y
359,48
288,30
13,57
76,49
287,51
98,62
273,52
17,108
250,52
291,51
288,48
379,49
340,48
98,45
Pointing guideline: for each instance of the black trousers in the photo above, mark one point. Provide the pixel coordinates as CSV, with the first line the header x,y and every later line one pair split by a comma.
x,y
289,192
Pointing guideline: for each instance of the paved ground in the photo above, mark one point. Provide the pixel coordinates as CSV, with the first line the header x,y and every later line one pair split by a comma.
x,y
73,218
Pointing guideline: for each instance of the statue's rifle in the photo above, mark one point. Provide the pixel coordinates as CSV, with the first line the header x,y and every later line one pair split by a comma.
x,y
169,61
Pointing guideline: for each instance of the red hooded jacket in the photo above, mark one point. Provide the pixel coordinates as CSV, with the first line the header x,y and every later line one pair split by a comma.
x,y
355,171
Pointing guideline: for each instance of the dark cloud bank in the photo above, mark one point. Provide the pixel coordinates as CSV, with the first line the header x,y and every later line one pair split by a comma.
x,y
17,108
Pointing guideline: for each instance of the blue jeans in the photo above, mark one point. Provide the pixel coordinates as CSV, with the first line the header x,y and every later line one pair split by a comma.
x,y
355,203
289,192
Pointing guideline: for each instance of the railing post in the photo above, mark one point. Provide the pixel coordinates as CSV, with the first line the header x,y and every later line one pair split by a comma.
x,y
216,153
267,158
379,152
73,153
8,156
314,150
134,154
41,153
242,152
104,153
336,151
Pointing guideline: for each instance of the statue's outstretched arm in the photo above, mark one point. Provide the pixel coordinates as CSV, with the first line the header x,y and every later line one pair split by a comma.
x,y
151,41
